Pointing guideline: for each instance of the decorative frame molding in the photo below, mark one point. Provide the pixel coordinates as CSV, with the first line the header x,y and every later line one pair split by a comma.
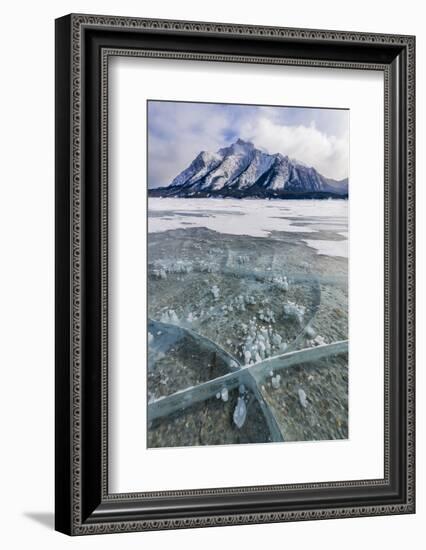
x,y
84,44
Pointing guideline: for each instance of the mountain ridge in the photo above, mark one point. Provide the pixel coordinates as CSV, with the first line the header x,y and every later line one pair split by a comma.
x,y
241,170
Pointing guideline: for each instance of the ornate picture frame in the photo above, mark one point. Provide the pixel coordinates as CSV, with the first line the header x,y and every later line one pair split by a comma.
x,y
84,45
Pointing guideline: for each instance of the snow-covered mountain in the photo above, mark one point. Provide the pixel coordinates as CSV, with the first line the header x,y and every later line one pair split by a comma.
x,y
241,170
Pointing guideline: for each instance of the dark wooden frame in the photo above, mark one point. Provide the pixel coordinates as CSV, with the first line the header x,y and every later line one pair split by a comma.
x,y
83,45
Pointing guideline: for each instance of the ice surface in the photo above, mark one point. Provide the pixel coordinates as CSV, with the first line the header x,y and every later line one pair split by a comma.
x,y
256,217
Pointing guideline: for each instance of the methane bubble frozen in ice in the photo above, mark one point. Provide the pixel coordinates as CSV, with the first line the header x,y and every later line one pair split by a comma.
x,y
240,413
302,398
224,394
275,381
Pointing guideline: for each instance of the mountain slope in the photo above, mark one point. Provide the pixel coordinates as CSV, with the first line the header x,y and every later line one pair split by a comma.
x,y
243,171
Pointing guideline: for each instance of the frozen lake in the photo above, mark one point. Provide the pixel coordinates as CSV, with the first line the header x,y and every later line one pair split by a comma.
x,y
235,283
258,218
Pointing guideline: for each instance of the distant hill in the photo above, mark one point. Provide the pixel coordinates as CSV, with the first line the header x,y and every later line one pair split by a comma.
x,y
243,171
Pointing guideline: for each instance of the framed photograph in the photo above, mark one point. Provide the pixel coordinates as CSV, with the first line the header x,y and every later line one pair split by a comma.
x,y
234,274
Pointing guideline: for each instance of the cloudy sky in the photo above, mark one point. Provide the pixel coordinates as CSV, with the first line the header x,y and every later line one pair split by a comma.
x,y
177,132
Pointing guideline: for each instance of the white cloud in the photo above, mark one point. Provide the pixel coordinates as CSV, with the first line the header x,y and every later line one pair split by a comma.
x,y
327,153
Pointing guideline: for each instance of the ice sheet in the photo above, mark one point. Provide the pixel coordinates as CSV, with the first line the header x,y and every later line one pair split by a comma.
x,y
255,217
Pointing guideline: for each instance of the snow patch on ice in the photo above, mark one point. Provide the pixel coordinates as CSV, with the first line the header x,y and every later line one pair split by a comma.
x,y
329,248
